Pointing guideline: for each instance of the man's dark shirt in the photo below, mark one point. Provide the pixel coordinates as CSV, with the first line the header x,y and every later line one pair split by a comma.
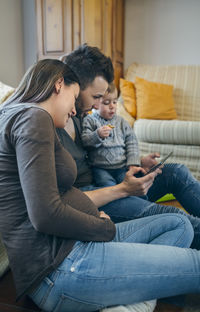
x,y
76,149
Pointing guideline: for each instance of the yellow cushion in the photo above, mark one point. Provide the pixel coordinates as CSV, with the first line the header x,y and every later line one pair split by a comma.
x,y
154,100
127,90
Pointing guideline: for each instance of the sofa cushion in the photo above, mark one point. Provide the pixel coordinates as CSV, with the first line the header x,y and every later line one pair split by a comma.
x,y
154,100
184,78
127,91
168,131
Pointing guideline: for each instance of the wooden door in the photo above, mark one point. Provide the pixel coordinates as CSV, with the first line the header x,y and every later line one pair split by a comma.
x,y
118,39
62,25
54,28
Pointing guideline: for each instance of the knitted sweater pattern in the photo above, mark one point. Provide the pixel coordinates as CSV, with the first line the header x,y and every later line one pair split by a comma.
x,y
119,149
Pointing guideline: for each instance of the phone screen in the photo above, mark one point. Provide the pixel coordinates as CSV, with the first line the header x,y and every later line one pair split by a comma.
x,y
161,162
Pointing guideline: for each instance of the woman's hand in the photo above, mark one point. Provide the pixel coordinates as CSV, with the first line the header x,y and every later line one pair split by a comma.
x,y
149,161
138,186
102,214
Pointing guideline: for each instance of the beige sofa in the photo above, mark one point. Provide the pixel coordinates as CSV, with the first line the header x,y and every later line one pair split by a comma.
x,y
182,136
5,92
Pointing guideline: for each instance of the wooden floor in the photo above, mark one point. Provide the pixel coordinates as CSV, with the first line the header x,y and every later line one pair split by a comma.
x,y
165,307
7,297
174,203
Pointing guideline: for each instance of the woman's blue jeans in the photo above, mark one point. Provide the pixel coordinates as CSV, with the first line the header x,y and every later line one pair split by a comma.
x,y
136,266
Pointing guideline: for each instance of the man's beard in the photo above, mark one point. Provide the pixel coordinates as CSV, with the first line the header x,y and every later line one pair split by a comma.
x,y
80,108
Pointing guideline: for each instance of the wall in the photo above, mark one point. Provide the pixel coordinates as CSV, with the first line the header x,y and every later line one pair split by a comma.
x,y
162,32
29,22
11,38
156,32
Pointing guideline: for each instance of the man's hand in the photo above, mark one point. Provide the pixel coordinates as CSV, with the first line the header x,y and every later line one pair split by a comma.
x,y
149,161
103,215
104,131
138,186
132,167
141,170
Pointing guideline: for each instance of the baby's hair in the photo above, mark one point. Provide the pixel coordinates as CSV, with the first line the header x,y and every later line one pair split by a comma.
x,y
111,88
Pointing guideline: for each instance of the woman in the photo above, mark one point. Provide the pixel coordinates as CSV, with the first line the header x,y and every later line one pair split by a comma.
x,y
63,252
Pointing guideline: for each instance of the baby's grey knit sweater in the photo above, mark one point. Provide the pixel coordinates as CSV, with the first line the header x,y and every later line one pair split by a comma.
x,y
116,151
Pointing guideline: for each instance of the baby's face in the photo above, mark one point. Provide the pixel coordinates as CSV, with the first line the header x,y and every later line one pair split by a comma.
x,y
108,106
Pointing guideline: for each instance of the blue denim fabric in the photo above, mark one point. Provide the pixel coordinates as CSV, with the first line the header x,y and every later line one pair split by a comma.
x,y
175,179
109,177
178,180
134,267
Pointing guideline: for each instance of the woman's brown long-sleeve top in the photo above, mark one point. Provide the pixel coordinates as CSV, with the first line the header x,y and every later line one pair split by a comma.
x,y
41,213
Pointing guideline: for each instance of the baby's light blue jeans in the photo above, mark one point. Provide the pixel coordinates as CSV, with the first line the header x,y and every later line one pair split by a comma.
x,y
109,177
136,266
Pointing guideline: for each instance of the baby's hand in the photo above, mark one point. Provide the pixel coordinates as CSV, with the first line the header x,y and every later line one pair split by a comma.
x,y
104,131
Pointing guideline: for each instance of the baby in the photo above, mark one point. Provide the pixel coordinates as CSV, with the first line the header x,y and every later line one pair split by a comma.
x,y
111,143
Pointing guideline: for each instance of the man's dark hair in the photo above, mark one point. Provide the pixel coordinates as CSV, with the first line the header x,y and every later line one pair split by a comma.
x,y
89,62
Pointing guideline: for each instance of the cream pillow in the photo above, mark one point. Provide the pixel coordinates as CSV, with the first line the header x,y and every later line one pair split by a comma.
x,y
5,92
154,100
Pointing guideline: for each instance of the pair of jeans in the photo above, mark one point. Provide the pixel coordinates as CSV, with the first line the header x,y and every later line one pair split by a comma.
x,y
109,177
175,179
136,266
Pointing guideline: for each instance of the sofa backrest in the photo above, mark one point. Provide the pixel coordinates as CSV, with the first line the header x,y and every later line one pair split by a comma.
x,y
184,78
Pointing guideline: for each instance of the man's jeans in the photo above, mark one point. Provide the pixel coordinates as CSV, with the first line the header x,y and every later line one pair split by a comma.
x,y
136,266
175,179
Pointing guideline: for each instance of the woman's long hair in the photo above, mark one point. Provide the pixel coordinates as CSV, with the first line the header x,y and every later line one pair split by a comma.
x,y
38,83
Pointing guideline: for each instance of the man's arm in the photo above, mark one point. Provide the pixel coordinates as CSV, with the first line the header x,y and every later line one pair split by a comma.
x,y
131,186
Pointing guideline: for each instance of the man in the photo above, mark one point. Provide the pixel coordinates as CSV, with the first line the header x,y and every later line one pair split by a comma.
x,y
135,197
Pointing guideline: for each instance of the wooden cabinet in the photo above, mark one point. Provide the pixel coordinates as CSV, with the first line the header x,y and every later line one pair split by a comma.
x,y
62,25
